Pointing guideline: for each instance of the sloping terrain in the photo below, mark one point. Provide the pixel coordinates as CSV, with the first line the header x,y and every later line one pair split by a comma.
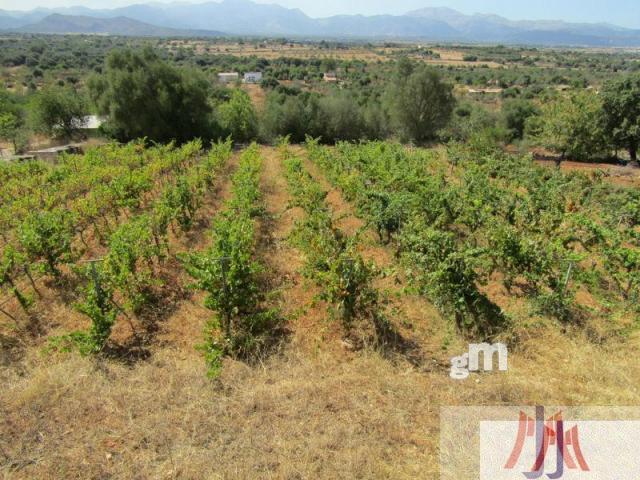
x,y
64,24
319,406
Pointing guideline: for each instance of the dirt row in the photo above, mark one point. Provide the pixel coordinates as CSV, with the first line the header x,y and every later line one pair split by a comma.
x,y
314,410
132,338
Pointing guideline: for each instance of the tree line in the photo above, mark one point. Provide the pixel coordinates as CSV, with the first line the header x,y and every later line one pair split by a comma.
x,y
143,96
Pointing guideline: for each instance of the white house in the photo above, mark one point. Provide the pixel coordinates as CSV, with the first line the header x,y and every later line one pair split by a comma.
x,y
228,77
253,77
330,77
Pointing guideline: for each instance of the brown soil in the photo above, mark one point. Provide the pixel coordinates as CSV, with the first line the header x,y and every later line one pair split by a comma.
x,y
307,316
415,318
312,411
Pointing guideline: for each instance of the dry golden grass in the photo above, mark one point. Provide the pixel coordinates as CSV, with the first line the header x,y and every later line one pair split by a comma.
x,y
298,415
316,409
448,57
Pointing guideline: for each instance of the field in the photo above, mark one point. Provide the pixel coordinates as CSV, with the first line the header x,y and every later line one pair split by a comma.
x,y
273,280
368,53
347,277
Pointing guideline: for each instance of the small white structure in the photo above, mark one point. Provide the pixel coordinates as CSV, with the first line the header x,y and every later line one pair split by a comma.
x,y
330,77
89,122
253,77
228,77
93,122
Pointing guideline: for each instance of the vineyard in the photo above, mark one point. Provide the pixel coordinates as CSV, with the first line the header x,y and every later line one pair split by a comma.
x,y
567,244
102,221
205,311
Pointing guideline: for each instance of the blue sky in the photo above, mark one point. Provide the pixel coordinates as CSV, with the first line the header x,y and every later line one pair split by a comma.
x,y
620,12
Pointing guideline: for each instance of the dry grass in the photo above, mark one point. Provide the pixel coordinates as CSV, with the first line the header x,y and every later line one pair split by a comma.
x,y
448,57
314,410
299,415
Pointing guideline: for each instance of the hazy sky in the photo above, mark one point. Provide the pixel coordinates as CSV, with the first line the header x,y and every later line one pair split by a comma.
x,y
621,12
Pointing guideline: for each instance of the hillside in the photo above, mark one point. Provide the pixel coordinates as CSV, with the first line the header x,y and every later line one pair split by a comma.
x,y
63,24
247,18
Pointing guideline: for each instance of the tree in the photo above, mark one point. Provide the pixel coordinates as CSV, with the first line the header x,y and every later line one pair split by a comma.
x,y
143,96
571,126
12,121
516,113
341,117
285,115
59,111
11,131
420,104
238,117
621,113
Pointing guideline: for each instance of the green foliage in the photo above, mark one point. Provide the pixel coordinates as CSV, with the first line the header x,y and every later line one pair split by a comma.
x,y
571,126
10,264
341,118
421,103
47,235
230,275
621,113
58,111
12,131
143,96
238,117
97,304
348,285
331,259
448,275
516,114
497,215
129,263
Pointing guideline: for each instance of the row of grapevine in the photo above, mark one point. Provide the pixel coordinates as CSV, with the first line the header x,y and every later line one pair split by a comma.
x,y
44,238
491,213
136,249
409,206
230,273
332,261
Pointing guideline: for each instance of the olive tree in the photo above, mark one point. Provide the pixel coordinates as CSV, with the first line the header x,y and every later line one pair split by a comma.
x,y
58,111
571,126
143,96
621,113
420,102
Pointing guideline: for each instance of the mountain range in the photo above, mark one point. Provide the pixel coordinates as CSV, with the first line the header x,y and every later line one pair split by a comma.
x,y
243,17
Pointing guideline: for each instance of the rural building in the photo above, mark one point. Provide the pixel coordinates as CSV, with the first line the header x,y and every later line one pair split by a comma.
x,y
253,77
330,77
92,122
89,125
485,90
228,77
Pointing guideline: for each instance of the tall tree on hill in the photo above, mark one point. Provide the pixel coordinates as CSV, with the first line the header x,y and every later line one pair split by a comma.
x,y
420,102
621,113
571,126
143,96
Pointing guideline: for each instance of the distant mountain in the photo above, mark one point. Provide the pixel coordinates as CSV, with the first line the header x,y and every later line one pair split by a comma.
x,y
494,28
61,24
243,17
